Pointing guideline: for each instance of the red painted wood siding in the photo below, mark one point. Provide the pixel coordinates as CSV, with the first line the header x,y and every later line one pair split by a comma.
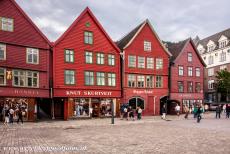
x,y
137,48
75,40
182,60
24,33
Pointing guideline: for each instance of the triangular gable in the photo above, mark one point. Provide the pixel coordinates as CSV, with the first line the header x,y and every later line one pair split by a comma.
x,y
87,10
154,32
30,21
222,38
210,42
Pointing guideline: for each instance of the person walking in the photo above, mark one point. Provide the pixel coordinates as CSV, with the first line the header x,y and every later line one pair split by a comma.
x,y
139,112
163,110
195,111
177,109
227,110
11,115
198,113
224,108
186,110
218,111
19,115
7,115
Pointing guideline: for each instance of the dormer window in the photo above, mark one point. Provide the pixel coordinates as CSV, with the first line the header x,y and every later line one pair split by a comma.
x,y
7,24
222,44
147,46
210,48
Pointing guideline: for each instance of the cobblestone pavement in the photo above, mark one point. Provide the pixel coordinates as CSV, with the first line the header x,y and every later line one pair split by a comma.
x,y
150,135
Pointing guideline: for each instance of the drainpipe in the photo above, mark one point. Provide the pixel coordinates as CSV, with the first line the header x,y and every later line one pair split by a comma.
x,y
154,105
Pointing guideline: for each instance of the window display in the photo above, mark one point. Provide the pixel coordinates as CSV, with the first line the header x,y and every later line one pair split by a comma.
x,y
81,107
106,107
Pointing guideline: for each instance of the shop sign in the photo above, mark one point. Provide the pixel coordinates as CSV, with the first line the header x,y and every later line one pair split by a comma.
x,y
88,93
185,95
26,92
142,91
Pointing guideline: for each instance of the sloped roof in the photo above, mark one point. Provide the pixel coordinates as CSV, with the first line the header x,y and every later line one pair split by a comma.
x,y
214,38
125,41
30,21
87,10
177,48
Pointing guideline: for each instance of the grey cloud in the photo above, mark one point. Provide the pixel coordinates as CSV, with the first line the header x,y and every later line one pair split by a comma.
x,y
173,20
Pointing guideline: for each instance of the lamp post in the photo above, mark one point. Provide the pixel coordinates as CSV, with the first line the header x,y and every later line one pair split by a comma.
x,y
112,119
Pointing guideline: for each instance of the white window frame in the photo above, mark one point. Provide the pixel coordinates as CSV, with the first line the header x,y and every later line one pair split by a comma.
x,y
88,57
131,79
222,44
141,62
25,77
210,84
33,77
159,63
159,83
111,59
90,76
100,58
150,63
4,77
180,70
111,79
131,61
32,51
150,83
210,71
190,71
197,72
7,24
210,60
147,46
69,56
189,57
100,78
3,46
141,78
223,56
71,73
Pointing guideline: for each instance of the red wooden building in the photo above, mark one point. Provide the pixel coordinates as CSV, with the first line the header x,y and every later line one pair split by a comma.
x,y
86,69
24,60
145,69
186,75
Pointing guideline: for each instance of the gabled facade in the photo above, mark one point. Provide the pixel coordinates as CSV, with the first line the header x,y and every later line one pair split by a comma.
x,y
215,51
86,69
144,69
24,61
186,75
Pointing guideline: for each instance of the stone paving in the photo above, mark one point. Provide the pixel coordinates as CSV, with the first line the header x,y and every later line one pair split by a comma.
x,y
150,135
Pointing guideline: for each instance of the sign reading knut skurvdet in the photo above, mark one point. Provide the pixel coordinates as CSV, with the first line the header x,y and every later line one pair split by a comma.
x,y
142,91
88,93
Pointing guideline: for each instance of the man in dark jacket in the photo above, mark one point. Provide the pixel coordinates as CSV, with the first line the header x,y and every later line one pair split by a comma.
x,y
198,113
218,111
227,110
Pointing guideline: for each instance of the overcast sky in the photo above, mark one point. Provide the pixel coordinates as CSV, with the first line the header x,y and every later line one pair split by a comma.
x,y
173,20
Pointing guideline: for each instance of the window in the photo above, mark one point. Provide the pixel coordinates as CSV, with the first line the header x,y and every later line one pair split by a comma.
x,y
88,57
190,87
210,84
132,61
141,62
32,79
100,58
131,80
210,60
149,81
111,60
32,56
222,44
159,83
147,46
2,51
7,24
210,48
140,81
180,86
159,63
89,78
88,37
2,76
69,77
181,70
137,102
69,56
223,67
19,78
197,72
210,71
150,63
189,57
100,79
111,79
198,87
189,71
222,56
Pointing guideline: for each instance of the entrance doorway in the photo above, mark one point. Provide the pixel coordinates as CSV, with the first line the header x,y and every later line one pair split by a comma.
x,y
163,101
137,102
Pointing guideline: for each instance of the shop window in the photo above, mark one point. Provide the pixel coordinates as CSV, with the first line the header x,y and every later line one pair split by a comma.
x,y
2,52
136,102
2,76
111,60
105,107
81,107
69,56
159,63
100,58
7,24
32,56
88,37
111,79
